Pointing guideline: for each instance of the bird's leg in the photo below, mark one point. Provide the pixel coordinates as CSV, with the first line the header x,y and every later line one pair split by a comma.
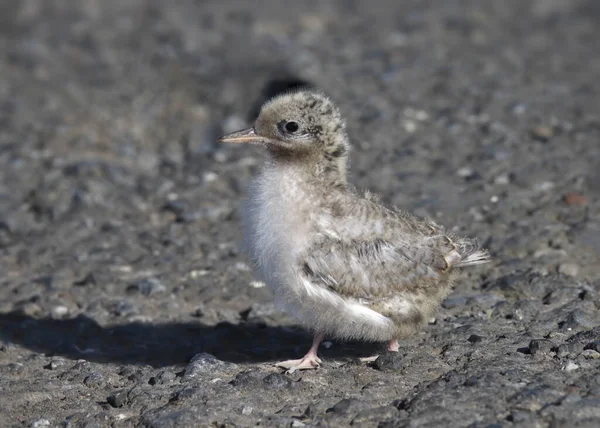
x,y
393,346
309,361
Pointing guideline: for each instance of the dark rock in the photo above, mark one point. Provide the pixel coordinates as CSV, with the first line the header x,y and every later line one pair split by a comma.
x,y
204,363
89,279
94,380
475,338
347,407
117,399
454,301
578,319
163,378
540,346
595,345
389,361
248,378
277,381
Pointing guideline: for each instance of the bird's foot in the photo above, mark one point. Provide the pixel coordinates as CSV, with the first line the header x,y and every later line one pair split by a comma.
x,y
305,363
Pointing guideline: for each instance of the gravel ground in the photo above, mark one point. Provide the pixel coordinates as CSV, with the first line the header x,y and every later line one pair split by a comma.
x,y
125,299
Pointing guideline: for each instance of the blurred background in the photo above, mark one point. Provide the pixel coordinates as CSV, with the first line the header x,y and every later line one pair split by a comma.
x,y
119,213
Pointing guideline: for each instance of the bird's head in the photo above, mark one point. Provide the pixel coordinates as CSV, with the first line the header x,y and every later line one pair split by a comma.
x,y
299,125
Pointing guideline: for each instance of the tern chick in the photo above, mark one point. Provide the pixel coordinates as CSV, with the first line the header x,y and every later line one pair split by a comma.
x,y
336,259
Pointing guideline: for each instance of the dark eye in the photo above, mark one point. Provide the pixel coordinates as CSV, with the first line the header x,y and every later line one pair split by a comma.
x,y
291,127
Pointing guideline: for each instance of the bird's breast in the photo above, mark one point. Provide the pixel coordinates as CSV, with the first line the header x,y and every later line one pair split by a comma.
x,y
277,224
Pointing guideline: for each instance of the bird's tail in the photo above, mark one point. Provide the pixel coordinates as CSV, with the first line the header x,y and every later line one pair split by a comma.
x,y
477,258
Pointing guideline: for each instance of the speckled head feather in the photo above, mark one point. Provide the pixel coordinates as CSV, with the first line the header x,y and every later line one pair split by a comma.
x,y
301,126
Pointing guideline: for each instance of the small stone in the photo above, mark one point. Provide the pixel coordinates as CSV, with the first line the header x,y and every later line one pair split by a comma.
x,y
147,287
540,346
117,399
59,312
89,279
124,308
94,380
389,361
569,269
590,354
542,133
570,366
40,423
203,363
595,345
297,424
454,301
573,198
247,410
578,319
475,338
277,381
257,284
56,363
465,172
502,180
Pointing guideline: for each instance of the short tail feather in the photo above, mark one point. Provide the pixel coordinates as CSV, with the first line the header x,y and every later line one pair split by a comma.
x,y
476,258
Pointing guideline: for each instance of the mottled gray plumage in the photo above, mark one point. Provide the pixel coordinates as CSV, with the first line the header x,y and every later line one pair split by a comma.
x,y
338,260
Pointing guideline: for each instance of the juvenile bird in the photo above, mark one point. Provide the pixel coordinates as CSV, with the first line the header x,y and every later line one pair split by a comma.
x,y
336,259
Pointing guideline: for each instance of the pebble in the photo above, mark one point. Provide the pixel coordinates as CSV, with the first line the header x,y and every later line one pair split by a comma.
x,y
540,346
542,133
465,172
569,269
502,180
94,380
277,381
590,354
578,319
59,312
389,361
203,363
56,363
573,198
475,338
570,366
147,287
454,301
117,399
40,423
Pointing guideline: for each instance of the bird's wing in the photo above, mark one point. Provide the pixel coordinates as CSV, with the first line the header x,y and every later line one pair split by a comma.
x,y
366,268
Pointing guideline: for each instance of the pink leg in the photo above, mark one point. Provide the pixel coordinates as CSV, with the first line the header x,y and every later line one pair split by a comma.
x,y
309,361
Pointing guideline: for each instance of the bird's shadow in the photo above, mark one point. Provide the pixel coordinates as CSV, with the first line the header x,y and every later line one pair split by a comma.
x,y
161,345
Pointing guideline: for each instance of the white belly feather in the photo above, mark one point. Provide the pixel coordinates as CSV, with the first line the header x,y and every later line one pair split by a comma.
x,y
279,221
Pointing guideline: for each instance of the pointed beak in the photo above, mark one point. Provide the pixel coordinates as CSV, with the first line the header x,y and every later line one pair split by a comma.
x,y
244,136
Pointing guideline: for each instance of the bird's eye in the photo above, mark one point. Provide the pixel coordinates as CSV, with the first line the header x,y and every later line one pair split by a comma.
x,y
291,127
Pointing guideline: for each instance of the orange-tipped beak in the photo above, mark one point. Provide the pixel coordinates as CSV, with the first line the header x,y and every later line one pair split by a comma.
x,y
244,136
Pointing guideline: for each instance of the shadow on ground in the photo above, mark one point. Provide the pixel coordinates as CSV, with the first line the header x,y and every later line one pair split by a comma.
x,y
161,345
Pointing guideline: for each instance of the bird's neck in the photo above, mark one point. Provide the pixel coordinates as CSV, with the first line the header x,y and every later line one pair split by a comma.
x,y
319,168
328,168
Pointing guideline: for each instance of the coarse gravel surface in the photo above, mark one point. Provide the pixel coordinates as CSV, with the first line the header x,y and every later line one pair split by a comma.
x,y
125,297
